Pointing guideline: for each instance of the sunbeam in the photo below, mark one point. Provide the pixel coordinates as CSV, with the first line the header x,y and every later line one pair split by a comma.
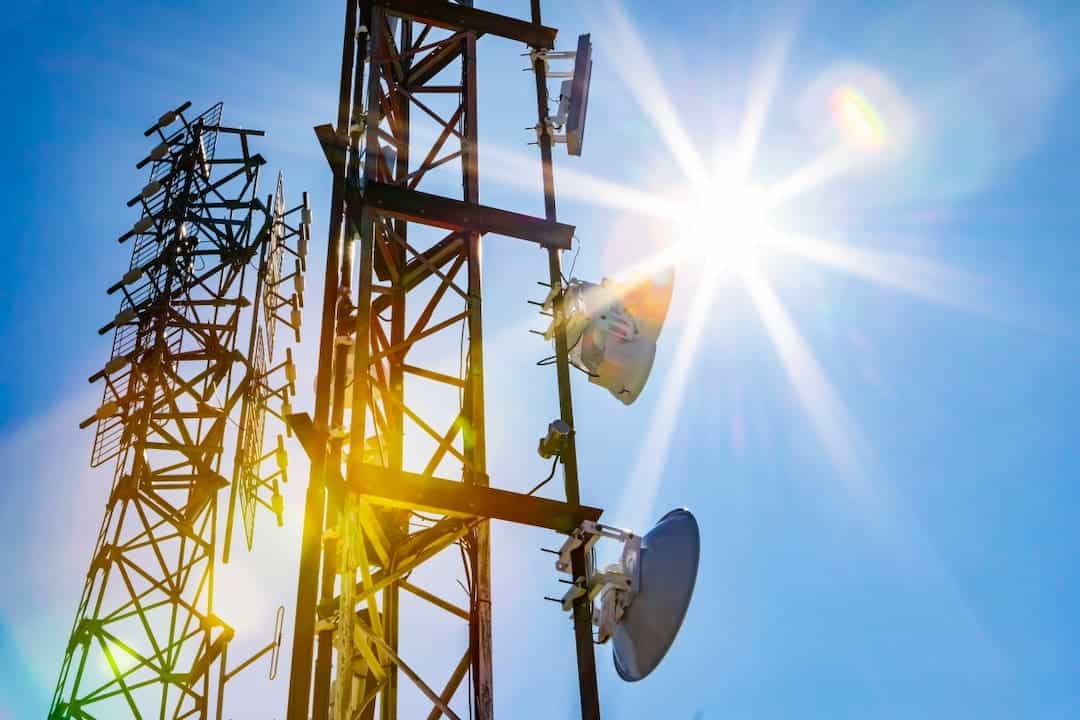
x,y
636,504
825,167
924,279
825,410
915,276
634,67
762,94
518,170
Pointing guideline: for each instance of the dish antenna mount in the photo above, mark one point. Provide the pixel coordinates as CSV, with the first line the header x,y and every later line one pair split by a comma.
x,y
644,597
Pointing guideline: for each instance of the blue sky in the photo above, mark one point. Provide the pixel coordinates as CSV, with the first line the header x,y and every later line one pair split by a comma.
x,y
875,423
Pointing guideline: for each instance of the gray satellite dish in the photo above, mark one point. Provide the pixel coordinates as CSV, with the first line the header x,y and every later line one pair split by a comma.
x,y
664,581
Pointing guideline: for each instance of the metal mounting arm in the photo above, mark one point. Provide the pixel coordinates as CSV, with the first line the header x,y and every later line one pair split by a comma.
x,y
616,585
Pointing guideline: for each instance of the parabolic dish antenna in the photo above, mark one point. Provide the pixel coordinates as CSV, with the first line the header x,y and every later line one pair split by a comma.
x,y
666,572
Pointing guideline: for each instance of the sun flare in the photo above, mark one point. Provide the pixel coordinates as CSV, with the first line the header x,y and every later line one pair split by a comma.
x,y
724,224
718,225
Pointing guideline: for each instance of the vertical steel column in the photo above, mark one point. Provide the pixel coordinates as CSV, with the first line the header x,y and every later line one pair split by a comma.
x,y
324,658
308,585
361,388
583,638
394,412
475,435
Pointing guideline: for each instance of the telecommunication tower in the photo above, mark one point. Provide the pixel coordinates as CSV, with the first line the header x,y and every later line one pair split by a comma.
x,y
146,641
399,500
403,271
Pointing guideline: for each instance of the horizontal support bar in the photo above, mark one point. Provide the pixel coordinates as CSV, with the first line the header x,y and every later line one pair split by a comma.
x,y
459,17
436,210
450,497
450,214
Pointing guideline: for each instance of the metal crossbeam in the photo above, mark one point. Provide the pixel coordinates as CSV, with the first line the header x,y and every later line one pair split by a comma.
x,y
450,497
442,212
460,17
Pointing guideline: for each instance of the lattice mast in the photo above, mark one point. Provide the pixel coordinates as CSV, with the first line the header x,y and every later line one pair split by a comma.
x,y
367,551
398,473
146,641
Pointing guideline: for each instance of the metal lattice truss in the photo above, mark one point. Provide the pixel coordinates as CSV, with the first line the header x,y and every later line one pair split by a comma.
x,y
110,438
258,471
418,288
146,641
401,444
395,571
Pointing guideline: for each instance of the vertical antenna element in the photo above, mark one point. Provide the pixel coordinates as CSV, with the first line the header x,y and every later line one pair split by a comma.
x,y
258,470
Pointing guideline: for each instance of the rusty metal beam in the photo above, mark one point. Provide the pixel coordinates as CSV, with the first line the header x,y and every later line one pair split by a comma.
x,y
435,600
459,17
434,62
449,497
450,214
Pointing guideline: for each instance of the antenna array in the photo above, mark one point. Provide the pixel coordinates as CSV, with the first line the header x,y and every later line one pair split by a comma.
x,y
146,640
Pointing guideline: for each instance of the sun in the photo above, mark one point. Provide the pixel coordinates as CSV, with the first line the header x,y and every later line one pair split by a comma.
x,y
706,219
724,222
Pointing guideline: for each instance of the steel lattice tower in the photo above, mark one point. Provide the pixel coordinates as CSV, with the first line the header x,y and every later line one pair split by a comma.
x,y
146,641
403,273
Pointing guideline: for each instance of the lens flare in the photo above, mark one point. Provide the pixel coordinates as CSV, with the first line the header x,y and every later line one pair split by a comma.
x,y
857,118
855,110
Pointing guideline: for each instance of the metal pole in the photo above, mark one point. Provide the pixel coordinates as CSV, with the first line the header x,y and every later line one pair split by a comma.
x,y
480,643
583,638
395,376
307,587
324,654
361,389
